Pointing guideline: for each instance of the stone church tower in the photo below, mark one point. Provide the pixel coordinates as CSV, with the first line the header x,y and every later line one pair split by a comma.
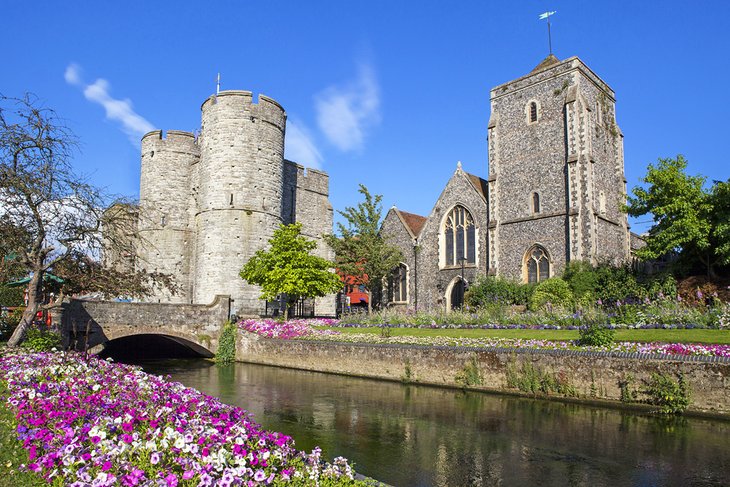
x,y
553,193
209,202
556,172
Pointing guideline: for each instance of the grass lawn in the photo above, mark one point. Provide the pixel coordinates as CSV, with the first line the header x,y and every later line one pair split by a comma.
x,y
668,336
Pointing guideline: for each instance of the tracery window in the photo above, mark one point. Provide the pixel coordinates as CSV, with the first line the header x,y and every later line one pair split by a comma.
x,y
459,237
398,284
537,264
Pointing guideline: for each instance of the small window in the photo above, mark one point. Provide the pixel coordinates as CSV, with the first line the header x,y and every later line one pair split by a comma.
x,y
602,203
163,220
535,203
533,112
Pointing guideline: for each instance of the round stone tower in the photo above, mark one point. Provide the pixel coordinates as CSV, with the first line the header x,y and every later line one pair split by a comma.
x,y
238,193
164,197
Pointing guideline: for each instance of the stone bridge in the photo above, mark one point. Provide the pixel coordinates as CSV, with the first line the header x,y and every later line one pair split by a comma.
x,y
91,325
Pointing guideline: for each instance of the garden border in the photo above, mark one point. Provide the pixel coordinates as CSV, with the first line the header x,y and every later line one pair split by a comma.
x,y
583,353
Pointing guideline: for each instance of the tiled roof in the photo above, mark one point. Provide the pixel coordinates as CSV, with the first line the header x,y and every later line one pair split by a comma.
x,y
479,184
414,222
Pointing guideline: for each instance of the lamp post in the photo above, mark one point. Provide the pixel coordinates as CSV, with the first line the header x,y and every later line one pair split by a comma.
x,y
462,260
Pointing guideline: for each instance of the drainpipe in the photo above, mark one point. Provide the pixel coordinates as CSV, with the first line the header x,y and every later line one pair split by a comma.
x,y
415,274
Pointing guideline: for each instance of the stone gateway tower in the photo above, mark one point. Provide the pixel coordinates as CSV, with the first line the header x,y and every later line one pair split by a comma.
x,y
208,203
553,193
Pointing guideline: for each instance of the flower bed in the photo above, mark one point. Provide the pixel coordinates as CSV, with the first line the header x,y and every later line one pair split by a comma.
x,y
303,331
289,329
96,423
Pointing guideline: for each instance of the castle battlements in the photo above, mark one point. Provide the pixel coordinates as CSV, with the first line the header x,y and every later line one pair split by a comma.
x,y
211,201
241,103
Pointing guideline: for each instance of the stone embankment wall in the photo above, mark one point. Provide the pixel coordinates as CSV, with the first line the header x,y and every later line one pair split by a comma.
x,y
199,324
595,376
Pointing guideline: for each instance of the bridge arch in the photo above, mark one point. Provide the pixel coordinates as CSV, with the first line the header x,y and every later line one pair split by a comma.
x,y
147,346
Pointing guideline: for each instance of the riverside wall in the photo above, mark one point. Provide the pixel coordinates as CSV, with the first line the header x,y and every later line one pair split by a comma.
x,y
597,377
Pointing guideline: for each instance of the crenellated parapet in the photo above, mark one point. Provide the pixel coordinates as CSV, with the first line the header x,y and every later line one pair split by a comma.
x,y
210,200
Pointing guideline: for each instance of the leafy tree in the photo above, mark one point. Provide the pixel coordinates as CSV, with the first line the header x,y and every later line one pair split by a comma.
x,y
48,213
688,219
361,251
289,268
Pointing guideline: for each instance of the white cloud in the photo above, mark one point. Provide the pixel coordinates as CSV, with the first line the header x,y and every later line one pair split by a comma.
x,y
121,111
299,146
344,113
73,74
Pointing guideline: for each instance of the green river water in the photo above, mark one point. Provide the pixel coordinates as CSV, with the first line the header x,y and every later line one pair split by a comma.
x,y
408,435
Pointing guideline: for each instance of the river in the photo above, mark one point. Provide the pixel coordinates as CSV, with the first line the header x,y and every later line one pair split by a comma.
x,y
409,435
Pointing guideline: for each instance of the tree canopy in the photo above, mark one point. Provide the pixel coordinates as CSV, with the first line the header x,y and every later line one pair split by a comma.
x,y
689,219
50,215
363,255
288,267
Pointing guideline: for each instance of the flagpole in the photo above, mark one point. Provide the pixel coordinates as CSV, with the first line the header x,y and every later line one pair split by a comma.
x,y
547,16
550,37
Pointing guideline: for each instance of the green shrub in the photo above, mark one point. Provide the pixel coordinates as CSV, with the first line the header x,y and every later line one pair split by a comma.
x,y
489,290
11,296
8,322
227,344
671,396
531,379
41,340
554,291
596,335
470,374
582,279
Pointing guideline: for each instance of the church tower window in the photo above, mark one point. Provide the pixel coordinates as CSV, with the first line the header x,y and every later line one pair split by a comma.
x,y
537,265
459,237
535,202
533,112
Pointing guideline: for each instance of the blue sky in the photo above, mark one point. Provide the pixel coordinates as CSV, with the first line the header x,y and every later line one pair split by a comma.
x,y
390,94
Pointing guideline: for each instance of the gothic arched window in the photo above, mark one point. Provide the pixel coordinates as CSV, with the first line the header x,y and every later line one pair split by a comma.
x,y
398,284
535,202
459,237
537,264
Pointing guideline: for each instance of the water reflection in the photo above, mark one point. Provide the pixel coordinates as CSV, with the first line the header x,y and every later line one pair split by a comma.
x,y
421,436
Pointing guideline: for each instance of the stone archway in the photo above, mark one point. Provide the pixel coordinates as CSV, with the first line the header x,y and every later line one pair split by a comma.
x,y
455,294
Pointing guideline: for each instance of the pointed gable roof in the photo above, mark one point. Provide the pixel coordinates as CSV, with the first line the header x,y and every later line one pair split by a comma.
x,y
479,184
546,63
413,222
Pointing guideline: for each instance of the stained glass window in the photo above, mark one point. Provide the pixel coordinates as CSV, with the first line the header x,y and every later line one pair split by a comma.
x,y
537,265
459,237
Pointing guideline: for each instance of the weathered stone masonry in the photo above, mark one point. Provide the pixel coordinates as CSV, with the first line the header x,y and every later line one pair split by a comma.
x,y
555,182
596,376
209,202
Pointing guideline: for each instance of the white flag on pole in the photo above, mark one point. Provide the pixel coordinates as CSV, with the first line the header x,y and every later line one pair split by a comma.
x,y
546,15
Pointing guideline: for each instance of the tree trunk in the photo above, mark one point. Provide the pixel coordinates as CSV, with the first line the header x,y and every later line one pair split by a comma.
x,y
35,295
370,301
